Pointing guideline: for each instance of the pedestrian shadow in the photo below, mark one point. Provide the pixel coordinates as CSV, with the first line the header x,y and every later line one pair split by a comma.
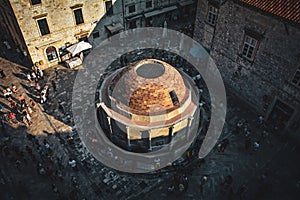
x,y
3,87
46,132
15,99
24,70
5,106
12,98
28,88
20,76
34,98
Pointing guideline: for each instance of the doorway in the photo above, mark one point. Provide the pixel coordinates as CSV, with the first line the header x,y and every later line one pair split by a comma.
x,y
280,115
51,54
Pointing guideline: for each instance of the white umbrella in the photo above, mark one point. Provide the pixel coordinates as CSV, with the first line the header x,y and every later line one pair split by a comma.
x,y
79,47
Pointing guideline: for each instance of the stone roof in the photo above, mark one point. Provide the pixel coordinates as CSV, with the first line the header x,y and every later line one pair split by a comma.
x,y
146,87
288,9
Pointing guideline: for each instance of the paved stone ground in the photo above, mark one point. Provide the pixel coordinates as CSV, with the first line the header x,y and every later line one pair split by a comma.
x,y
19,172
277,156
93,179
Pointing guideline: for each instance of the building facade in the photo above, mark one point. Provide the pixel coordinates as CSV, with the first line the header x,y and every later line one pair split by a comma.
x,y
143,13
130,14
256,48
111,23
47,27
42,29
10,27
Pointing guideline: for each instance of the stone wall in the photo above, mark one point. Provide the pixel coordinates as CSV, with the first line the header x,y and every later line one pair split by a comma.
x,y
61,22
139,16
10,26
116,17
121,15
268,77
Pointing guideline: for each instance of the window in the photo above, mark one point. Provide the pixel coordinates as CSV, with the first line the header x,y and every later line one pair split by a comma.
x,y
34,2
96,34
212,15
108,7
296,78
51,54
78,16
131,9
174,98
43,26
148,4
249,47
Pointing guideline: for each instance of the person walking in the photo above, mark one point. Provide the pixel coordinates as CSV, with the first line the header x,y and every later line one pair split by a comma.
x,y
14,88
40,73
37,86
72,163
13,118
1,108
7,94
34,69
3,76
202,182
33,76
13,105
29,111
28,118
6,117
22,99
25,121
9,90
223,144
256,145
32,104
43,95
54,85
29,77
56,73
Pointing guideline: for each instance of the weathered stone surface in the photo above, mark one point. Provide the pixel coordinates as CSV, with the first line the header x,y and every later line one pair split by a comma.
x,y
269,75
61,22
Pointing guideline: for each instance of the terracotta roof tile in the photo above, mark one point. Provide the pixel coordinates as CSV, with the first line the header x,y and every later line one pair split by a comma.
x,y
288,9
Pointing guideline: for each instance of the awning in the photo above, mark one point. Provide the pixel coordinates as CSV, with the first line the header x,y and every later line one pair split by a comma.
x,y
186,3
161,11
135,17
114,28
79,47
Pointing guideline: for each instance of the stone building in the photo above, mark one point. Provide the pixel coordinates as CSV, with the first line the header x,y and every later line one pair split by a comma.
x,y
255,45
144,105
129,14
142,13
10,27
47,26
111,23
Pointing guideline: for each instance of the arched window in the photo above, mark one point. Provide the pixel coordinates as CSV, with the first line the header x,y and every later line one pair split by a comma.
x,y
51,54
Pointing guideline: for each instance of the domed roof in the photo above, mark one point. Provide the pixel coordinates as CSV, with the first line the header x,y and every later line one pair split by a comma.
x,y
149,86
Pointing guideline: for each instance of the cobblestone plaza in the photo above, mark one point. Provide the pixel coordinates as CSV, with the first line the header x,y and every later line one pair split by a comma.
x,y
44,156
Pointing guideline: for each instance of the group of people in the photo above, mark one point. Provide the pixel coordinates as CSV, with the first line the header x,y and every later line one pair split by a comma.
x,y
35,75
20,109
